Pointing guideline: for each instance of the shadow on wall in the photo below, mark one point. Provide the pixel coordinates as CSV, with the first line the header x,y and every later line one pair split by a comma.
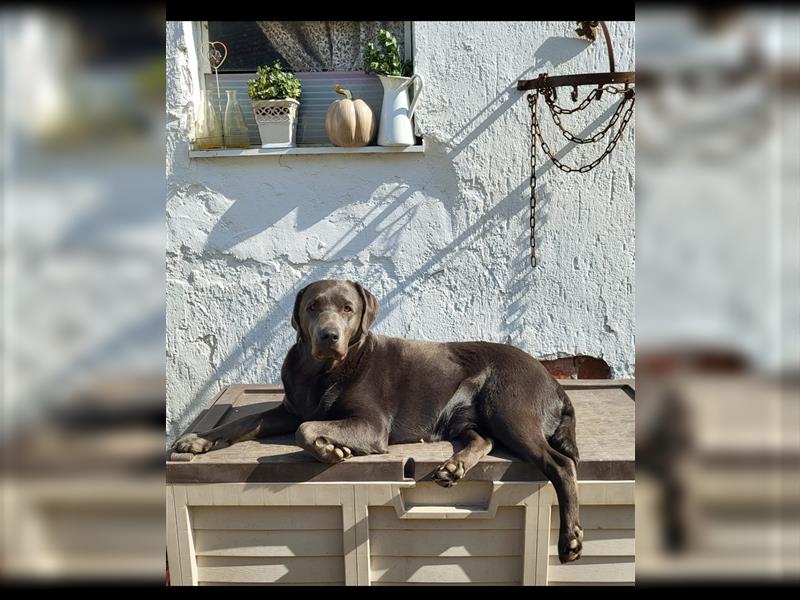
x,y
557,50
253,216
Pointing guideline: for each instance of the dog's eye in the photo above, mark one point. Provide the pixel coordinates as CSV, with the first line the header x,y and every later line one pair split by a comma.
x,y
312,307
348,308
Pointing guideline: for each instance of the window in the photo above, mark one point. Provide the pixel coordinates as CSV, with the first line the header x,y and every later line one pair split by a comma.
x,y
320,53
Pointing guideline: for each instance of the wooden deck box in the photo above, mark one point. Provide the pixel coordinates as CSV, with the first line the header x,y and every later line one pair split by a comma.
x,y
265,512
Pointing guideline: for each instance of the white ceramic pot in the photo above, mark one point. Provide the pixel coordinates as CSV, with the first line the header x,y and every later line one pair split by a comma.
x,y
277,122
395,126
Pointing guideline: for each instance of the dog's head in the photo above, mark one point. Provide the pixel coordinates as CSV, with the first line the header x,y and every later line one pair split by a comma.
x,y
333,315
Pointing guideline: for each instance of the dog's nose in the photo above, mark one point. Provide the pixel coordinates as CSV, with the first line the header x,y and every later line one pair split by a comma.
x,y
329,335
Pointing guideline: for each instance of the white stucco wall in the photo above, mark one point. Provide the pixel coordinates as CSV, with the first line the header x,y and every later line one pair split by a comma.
x,y
441,238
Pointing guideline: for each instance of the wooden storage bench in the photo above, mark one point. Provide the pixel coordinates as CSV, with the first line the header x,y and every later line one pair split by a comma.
x,y
264,512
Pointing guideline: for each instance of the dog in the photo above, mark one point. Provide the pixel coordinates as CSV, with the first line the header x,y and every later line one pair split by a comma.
x,y
350,391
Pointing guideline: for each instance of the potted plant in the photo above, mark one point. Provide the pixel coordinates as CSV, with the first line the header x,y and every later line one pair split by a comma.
x,y
384,60
273,94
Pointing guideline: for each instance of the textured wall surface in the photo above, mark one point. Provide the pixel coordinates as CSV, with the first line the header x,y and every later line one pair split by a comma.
x,y
441,238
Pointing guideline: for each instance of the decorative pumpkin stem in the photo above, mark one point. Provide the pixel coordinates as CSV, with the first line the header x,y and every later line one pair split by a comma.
x,y
343,92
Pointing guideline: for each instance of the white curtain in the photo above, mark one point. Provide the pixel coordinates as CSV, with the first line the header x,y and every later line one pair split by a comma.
x,y
327,45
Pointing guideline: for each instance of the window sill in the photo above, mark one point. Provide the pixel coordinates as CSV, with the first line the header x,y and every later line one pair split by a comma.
x,y
256,151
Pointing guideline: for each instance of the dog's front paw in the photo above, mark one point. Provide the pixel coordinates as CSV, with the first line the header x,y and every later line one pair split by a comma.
x,y
570,545
191,442
449,473
328,452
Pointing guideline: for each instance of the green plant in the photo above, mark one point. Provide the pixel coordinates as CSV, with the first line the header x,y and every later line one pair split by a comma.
x,y
273,83
385,59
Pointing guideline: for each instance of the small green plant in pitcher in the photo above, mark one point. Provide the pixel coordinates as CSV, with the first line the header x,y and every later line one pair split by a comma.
x,y
385,58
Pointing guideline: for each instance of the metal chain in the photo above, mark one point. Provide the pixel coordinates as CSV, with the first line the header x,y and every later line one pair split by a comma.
x,y
597,136
532,103
585,168
533,98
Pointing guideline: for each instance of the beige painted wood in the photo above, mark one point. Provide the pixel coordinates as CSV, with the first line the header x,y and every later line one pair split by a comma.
x,y
531,542
593,569
252,533
362,534
590,583
282,583
476,542
601,542
601,517
461,584
607,515
547,498
505,518
606,492
267,517
476,494
237,542
349,541
173,547
185,538
446,570
319,569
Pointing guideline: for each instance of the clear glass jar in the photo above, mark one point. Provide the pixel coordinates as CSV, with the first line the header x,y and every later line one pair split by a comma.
x,y
208,131
237,135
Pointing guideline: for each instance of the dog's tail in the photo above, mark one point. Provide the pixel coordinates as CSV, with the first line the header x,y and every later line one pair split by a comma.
x,y
563,438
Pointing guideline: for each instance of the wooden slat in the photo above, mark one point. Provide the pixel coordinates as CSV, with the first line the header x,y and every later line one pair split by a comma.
x,y
492,583
267,517
590,583
446,570
593,569
386,518
173,549
183,519
466,493
600,517
601,542
307,542
446,543
278,570
530,541
230,583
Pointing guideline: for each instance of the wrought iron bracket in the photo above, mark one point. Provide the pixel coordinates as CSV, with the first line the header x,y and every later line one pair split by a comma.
x,y
585,29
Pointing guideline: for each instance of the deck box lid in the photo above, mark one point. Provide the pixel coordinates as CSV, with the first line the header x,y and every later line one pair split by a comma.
x,y
605,431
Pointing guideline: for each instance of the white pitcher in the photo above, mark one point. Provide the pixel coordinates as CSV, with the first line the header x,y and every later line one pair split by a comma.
x,y
395,126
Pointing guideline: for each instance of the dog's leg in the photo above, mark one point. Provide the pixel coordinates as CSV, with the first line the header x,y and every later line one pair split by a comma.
x,y
275,421
560,470
334,441
455,467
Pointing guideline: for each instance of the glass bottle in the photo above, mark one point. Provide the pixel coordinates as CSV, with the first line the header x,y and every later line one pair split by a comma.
x,y
237,135
208,126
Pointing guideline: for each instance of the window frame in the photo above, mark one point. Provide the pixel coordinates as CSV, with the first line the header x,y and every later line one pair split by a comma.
x,y
196,36
204,66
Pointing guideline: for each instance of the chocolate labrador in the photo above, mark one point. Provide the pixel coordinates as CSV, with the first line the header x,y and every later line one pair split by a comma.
x,y
350,391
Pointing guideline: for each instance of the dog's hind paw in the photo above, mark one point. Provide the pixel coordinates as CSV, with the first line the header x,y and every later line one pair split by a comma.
x,y
571,545
329,452
191,442
449,473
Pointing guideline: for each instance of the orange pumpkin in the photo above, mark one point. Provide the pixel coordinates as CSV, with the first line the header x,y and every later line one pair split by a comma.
x,y
349,122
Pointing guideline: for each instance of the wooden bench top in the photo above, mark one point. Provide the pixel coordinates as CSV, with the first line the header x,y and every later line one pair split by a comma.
x,y
605,431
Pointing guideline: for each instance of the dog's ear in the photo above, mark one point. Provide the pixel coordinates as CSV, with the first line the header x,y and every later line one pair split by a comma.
x,y
370,303
296,311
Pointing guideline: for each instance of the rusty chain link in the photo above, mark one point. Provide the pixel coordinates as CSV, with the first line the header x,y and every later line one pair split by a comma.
x,y
597,136
628,99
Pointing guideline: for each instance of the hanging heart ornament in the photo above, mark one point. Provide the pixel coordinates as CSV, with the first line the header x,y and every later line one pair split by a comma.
x,y
216,56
